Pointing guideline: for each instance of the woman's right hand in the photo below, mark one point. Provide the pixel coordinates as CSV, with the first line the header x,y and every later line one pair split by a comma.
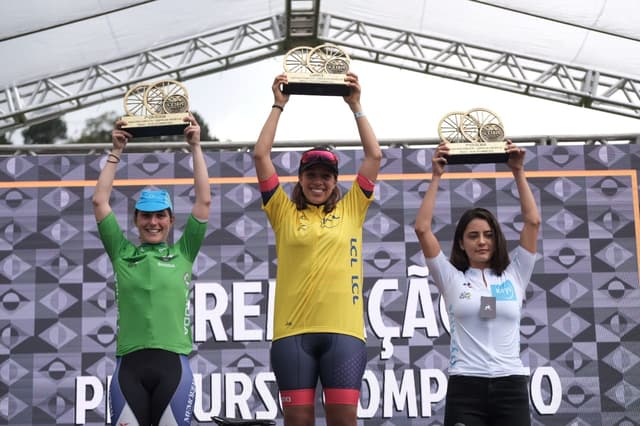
x,y
439,159
279,98
120,137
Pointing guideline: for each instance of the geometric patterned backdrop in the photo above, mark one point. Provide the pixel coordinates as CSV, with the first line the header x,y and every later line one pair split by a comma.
x,y
580,327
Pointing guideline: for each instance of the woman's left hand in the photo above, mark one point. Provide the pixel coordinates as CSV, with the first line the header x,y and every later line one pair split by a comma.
x,y
353,98
516,156
192,131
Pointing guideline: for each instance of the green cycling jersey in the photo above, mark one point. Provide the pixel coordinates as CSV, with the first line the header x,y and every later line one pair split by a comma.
x,y
152,288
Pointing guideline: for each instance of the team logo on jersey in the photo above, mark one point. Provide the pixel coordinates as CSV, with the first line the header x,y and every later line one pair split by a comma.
x,y
303,222
465,295
133,261
503,291
167,258
329,221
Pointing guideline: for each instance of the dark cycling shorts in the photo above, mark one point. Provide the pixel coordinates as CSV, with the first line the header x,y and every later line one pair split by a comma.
x,y
338,360
146,383
480,401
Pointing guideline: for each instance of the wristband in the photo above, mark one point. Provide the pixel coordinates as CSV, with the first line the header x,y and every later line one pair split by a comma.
x,y
278,106
358,114
112,155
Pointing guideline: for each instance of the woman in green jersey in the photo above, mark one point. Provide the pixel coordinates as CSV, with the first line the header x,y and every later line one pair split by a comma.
x,y
152,383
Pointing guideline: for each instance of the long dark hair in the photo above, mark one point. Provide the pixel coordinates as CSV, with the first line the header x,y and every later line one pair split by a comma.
x,y
500,256
297,196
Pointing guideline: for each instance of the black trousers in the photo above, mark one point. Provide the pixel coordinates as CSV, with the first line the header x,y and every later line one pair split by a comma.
x,y
480,401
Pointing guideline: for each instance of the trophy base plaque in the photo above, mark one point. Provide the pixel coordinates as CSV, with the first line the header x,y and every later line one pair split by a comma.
x,y
316,84
477,152
156,125
475,136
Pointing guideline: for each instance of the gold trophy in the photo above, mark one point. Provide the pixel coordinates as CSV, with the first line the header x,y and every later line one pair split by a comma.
x,y
316,71
475,136
155,109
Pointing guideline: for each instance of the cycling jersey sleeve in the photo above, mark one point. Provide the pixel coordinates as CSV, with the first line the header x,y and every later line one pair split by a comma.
x,y
111,235
192,237
268,187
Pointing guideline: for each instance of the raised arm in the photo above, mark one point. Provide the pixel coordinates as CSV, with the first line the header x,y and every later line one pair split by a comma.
x,y
262,149
201,185
372,154
528,207
119,139
428,241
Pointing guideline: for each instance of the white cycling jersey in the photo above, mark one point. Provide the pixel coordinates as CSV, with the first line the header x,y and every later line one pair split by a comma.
x,y
484,347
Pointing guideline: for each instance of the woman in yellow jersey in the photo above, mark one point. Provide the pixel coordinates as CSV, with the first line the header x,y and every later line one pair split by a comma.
x,y
318,321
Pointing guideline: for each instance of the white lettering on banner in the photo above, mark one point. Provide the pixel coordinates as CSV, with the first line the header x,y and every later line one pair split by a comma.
x,y
108,416
215,397
204,315
207,314
211,302
427,377
85,386
233,400
251,388
370,382
418,299
444,315
266,396
399,396
374,309
555,391
242,311
242,391
271,309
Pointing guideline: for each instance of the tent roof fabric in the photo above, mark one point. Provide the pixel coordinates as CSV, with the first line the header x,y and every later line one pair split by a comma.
x,y
49,37
46,39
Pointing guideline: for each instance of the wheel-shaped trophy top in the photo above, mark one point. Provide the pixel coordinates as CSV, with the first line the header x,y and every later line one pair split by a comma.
x,y
296,60
134,101
166,97
452,127
489,127
328,58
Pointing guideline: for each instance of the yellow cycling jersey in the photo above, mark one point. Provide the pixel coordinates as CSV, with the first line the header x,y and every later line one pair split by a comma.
x,y
319,279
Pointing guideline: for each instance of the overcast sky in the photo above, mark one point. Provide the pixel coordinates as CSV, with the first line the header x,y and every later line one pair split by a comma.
x,y
400,104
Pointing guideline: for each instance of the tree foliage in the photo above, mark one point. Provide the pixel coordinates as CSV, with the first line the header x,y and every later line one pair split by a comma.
x,y
98,129
204,130
47,132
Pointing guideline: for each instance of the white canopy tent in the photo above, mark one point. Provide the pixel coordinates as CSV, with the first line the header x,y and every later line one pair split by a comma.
x,y
68,55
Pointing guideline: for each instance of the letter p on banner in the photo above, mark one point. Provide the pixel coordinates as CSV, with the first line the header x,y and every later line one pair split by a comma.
x,y
85,386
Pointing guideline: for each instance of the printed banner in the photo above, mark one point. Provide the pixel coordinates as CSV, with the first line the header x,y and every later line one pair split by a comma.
x,y
579,332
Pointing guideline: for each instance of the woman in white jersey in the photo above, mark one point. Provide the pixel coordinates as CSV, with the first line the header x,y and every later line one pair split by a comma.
x,y
483,291
318,318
